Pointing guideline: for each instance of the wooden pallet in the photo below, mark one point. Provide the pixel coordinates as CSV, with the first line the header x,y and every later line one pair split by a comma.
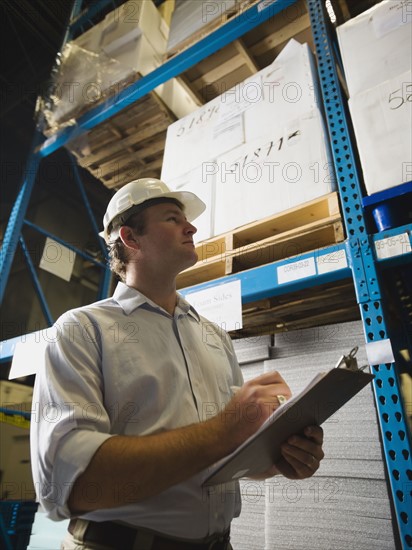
x,y
127,146
324,305
310,226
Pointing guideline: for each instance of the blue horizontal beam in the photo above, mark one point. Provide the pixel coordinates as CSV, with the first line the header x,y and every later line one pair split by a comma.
x,y
224,35
64,243
263,281
7,348
387,194
15,412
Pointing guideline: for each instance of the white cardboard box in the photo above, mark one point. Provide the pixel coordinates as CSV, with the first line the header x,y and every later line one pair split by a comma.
x,y
268,176
382,118
189,141
95,65
132,18
376,45
289,89
189,18
257,107
202,183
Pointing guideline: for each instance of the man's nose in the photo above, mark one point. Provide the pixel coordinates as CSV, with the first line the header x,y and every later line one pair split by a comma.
x,y
190,229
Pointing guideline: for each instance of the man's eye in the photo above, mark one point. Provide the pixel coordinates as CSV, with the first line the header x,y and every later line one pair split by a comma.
x,y
172,218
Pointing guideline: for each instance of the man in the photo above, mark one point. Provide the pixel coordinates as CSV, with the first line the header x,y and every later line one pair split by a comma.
x,y
124,435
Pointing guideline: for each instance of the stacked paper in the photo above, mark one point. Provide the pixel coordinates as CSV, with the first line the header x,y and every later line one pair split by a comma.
x,y
253,349
346,504
248,531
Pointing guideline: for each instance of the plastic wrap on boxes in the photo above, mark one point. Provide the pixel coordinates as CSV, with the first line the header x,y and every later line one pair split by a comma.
x,y
82,79
130,42
86,76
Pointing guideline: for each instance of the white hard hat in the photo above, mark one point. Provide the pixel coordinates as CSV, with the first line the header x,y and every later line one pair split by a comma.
x,y
139,191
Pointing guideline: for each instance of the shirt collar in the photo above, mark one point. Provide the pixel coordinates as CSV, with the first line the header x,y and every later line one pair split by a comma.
x,y
130,299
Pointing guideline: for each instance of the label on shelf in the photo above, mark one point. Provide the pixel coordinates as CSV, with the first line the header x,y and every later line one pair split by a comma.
x,y
221,304
379,352
296,270
332,261
265,4
393,246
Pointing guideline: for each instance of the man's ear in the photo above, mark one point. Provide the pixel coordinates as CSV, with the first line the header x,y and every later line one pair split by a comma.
x,y
128,237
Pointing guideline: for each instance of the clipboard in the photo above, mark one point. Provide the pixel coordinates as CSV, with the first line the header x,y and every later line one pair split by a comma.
x,y
321,398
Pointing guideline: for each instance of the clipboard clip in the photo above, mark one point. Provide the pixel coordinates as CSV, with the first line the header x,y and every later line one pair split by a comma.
x,y
349,361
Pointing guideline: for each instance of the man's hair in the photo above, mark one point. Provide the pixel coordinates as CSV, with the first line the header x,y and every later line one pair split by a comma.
x,y
118,258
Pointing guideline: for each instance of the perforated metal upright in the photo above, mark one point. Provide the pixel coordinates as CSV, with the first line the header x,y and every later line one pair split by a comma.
x,y
394,428
359,245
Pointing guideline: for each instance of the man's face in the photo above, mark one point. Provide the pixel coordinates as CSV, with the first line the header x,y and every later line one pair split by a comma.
x,y
167,242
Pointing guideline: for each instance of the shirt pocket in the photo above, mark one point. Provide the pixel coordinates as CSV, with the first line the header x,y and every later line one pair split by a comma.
x,y
221,368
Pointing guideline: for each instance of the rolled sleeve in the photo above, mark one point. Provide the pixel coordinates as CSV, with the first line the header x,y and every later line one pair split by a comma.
x,y
69,419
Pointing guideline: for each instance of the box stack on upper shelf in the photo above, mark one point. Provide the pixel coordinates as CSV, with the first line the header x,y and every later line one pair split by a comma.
x,y
376,50
121,149
257,149
129,43
245,56
193,20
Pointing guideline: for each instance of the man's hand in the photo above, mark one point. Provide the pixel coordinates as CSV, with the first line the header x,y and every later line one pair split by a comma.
x,y
301,454
252,404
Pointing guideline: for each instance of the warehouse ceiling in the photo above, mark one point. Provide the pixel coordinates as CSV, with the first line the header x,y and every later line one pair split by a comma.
x,y
32,32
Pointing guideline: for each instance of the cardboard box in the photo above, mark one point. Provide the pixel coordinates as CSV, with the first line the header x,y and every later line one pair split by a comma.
x,y
268,176
189,18
259,106
129,40
189,141
201,182
381,119
288,89
131,19
100,62
376,45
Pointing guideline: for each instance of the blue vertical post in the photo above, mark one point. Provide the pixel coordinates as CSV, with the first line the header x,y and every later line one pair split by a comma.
x,y
393,424
105,280
15,223
37,286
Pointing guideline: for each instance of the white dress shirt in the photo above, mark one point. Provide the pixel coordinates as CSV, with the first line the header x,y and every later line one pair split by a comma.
x,y
125,366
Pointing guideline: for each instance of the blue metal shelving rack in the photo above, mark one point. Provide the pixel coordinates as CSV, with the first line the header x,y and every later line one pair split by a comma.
x,y
359,256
